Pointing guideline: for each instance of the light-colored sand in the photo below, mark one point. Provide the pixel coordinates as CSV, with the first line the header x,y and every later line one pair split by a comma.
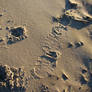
x,y
51,40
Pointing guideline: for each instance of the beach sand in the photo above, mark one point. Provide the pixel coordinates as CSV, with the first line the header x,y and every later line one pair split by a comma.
x,y
45,45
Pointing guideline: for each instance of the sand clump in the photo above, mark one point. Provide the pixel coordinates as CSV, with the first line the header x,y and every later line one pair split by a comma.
x,y
12,78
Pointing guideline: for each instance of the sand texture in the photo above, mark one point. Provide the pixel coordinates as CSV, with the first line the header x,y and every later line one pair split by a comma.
x,y
45,45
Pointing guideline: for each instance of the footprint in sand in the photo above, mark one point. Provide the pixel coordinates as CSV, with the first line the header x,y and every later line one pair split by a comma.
x,y
52,56
57,30
69,89
34,74
16,34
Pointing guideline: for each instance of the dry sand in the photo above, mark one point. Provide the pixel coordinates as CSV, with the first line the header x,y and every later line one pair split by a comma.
x,y
45,46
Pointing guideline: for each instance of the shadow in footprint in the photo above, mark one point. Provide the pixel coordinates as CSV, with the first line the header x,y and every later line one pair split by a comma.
x,y
68,5
82,80
16,34
52,60
64,77
69,21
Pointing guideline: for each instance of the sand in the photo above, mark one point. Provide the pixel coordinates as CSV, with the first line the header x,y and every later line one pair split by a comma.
x,y
45,46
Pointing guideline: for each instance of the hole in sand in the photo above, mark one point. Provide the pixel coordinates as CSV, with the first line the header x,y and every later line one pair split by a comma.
x,y
64,77
16,34
17,31
84,71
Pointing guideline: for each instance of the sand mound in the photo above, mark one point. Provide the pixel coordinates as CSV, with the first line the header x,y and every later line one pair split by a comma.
x,y
11,79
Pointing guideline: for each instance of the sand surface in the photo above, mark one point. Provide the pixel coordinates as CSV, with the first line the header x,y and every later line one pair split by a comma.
x,y
45,45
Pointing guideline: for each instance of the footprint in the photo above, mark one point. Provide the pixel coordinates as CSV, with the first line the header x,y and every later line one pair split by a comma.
x,y
56,31
52,56
16,34
34,75
84,71
3,42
